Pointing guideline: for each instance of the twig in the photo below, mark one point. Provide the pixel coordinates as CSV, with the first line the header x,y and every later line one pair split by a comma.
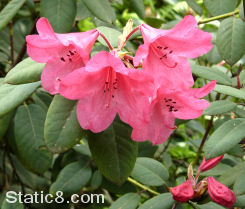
x,y
107,42
107,194
210,123
219,17
142,186
174,205
191,204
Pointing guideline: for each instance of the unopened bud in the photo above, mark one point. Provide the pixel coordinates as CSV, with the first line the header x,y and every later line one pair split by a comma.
x,y
182,192
209,164
220,193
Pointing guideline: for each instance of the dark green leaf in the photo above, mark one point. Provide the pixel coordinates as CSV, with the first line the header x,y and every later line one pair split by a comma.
x,y
139,7
225,138
210,74
101,9
9,11
43,99
217,170
111,35
195,6
149,172
242,11
28,132
213,55
96,180
72,178
227,90
62,130
27,71
4,123
60,13
114,152
7,205
127,201
218,107
12,96
239,188
240,201
162,201
210,205
218,7
230,39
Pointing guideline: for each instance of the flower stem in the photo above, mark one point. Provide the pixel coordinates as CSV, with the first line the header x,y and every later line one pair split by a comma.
x,y
142,186
219,17
210,123
131,33
107,42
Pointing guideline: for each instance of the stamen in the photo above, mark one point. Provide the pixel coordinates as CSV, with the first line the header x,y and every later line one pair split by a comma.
x,y
62,59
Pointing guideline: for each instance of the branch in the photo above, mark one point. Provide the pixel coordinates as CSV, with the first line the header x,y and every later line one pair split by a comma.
x,y
219,17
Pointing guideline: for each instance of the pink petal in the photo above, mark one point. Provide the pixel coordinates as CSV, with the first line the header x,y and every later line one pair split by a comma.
x,y
141,54
149,33
45,30
93,114
205,90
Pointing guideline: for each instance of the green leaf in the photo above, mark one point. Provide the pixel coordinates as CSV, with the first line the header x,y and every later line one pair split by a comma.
x,y
12,96
218,107
225,138
213,55
218,7
9,11
16,205
114,152
242,11
230,39
101,9
127,201
210,74
240,201
149,172
231,175
62,130
195,6
217,170
27,71
162,201
239,187
139,7
43,99
96,180
4,123
72,178
210,205
60,13
238,93
28,133
111,35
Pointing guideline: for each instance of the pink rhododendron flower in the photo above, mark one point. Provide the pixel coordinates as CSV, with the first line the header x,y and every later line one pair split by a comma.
x,y
209,164
220,193
62,52
106,87
169,104
183,192
165,52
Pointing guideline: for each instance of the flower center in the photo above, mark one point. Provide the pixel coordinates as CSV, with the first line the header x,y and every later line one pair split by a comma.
x,y
111,84
170,104
165,55
69,55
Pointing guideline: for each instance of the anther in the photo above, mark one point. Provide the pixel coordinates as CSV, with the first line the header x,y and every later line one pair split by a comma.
x,y
171,52
62,59
71,52
165,48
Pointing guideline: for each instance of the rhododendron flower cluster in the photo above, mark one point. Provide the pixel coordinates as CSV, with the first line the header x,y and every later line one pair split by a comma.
x,y
192,190
111,83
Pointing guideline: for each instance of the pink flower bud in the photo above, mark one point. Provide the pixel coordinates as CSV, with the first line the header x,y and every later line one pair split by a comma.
x,y
220,193
209,164
183,192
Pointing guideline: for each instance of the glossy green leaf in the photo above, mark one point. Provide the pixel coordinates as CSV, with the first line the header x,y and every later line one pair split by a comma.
x,y
230,39
101,9
217,170
28,133
218,107
12,96
114,152
96,180
43,99
72,178
230,176
213,55
162,201
195,6
62,130
9,11
227,90
240,201
139,7
210,74
60,13
242,11
149,172
225,138
239,188
16,205
111,35
4,123
27,71
218,7
127,201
